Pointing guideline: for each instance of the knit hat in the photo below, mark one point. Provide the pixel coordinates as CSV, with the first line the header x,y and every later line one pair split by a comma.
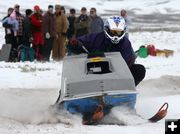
x,y
50,6
57,6
36,8
72,10
28,12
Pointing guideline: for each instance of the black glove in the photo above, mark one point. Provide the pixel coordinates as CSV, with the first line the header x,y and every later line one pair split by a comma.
x,y
75,42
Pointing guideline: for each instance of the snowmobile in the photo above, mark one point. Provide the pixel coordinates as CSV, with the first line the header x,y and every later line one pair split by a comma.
x,y
92,84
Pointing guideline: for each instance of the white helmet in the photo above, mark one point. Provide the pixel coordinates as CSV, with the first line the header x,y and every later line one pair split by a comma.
x,y
114,28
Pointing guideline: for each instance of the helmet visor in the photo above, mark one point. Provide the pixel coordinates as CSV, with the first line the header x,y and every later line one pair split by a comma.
x,y
116,33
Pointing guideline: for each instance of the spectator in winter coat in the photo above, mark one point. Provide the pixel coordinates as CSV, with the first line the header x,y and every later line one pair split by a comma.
x,y
9,36
97,24
112,39
61,21
82,23
123,14
27,29
49,32
71,28
71,19
38,40
20,19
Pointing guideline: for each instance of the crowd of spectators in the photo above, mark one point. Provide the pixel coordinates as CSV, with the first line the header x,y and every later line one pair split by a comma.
x,y
47,31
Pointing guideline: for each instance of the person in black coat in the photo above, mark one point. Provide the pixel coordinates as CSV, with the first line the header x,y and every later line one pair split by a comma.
x,y
27,29
9,37
9,34
71,19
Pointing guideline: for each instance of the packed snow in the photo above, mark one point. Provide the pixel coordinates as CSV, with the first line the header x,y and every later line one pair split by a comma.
x,y
29,89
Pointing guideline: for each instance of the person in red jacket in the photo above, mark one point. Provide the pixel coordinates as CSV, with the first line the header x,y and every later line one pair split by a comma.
x,y
38,41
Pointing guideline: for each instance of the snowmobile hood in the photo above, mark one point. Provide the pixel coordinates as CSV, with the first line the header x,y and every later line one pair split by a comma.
x,y
83,77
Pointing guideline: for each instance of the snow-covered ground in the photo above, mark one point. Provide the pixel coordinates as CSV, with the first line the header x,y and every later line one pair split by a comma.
x,y
27,90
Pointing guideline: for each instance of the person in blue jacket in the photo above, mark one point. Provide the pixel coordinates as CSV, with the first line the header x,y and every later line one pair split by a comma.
x,y
112,39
